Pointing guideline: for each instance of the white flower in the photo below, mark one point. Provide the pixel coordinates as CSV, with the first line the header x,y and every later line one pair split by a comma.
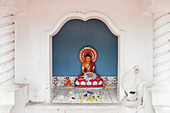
x,y
100,83
88,83
77,83
82,83
94,83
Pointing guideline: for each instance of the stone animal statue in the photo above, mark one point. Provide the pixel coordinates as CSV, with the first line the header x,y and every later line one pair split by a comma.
x,y
133,87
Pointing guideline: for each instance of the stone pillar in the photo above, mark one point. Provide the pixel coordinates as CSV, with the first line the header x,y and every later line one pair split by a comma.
x,y
7,60
161,50
7,50
160,88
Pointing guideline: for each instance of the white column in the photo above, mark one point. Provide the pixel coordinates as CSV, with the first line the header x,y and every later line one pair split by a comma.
x,y
160,88
7,50
161,51
7,46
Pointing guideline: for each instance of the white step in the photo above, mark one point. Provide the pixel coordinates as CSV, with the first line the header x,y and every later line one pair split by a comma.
x,y
77,108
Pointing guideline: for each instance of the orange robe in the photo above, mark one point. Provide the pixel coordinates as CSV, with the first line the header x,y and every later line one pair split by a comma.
x,y
68,83
89,68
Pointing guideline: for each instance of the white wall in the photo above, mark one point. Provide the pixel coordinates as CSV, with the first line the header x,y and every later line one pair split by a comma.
x,y
38,17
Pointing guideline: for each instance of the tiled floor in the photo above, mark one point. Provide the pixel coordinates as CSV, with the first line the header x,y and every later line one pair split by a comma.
x,y
109,95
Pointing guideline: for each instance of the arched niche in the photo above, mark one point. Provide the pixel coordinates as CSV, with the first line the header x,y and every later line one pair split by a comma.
x,y
84,16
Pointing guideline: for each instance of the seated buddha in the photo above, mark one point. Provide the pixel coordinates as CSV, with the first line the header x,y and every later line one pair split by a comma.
x,y
87,67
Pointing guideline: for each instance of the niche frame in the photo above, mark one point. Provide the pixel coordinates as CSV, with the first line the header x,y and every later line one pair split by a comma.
x,y
83,16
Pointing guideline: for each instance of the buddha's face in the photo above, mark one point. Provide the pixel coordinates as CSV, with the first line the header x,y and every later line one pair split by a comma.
x,y
88,59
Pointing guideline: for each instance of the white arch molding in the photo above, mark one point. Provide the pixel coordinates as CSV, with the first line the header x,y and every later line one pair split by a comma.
x,y
84,16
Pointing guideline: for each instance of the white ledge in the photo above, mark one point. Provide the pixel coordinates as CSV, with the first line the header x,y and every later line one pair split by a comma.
x,y
73,105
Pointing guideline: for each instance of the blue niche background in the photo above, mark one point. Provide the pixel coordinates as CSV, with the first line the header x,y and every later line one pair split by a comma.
x,y
77,34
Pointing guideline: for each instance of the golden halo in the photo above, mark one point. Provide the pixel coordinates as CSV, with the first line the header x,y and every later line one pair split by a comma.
x,y
85,51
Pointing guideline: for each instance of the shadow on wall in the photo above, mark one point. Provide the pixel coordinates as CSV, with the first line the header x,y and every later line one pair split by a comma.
x,y
77,34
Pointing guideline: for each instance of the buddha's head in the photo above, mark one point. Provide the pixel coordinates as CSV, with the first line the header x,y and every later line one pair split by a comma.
x,y
88,57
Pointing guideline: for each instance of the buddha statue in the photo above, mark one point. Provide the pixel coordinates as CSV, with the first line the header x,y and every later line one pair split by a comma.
x,y
88,78
88,66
